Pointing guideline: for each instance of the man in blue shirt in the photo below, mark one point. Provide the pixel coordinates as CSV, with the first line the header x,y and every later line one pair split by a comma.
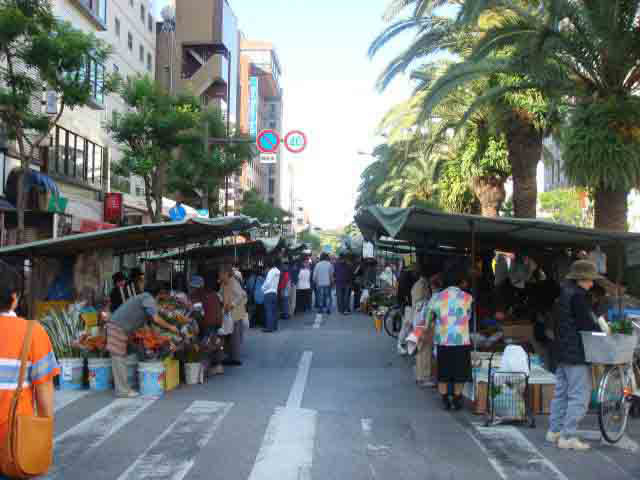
x,y
177,213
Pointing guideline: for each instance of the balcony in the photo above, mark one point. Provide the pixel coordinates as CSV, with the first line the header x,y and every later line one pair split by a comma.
x,y
95,11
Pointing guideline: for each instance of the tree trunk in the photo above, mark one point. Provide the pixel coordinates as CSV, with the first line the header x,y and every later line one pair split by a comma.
x,y
524,144
611,210
159,183
490,193
212,203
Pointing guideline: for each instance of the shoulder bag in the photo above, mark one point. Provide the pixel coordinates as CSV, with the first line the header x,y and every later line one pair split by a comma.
x,y
27,451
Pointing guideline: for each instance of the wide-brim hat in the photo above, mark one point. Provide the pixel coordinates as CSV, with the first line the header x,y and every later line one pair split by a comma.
x,y
583,270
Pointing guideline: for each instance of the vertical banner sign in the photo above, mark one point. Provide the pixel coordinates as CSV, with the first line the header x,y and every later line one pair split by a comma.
x,y
113,208
253,106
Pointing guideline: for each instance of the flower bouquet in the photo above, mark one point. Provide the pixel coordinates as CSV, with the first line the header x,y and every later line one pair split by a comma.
x,y
92,346
150,345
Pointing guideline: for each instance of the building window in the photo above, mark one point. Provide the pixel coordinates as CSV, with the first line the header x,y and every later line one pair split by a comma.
x,y
76,157
141,51
150,23
118,27
273,108
130,41
149,61
143,13
116,69
272,186
93,73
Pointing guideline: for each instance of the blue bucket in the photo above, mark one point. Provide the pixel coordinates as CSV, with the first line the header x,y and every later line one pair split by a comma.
x,y
100,374
72,377
151,378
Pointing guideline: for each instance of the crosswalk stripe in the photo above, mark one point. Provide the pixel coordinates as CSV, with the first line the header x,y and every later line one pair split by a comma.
x,y
512,455
93,431
173,454
62,398
299,384
287,448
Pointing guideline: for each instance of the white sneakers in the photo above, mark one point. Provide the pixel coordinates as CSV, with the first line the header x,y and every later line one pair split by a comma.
x,y
129,394
573,443
553,437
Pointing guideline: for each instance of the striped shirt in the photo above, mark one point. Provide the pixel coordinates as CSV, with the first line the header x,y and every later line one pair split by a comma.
x,y
42,365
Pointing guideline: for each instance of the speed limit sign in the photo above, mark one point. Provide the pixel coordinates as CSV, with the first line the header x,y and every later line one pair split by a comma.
x,y
295,141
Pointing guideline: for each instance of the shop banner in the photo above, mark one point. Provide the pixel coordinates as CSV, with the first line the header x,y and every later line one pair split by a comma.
x,y
253,106
113,205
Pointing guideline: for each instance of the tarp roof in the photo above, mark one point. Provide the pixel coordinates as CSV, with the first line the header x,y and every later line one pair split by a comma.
x,y
136,238
259,246
427,227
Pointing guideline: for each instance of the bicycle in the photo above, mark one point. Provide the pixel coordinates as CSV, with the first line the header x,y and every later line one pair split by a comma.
x,y
618,391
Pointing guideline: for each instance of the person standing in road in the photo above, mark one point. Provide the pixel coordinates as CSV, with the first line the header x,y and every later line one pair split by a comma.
x,y
284,287
118,294
344,279
572,314
235,304
136,283
131,316
323,278
38,392
256,295
304,288
270,290
211,321
293,283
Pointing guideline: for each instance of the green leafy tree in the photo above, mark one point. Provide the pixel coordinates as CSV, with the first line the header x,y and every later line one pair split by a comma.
x,y
149,132
584,56
565,206
200,170
254,206
37,51
313,241
520,117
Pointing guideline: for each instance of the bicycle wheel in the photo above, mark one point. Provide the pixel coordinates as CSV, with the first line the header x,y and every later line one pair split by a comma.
x,y
393,322
613,408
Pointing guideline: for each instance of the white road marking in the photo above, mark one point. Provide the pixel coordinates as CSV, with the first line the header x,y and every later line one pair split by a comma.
x,y
512,455
625,442
366,424
297,390
62,398
286,452
88,435
372,450
318,321
172,455
614,464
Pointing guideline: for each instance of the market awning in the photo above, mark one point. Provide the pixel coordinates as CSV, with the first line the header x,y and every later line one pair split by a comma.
x,y
435,229
261,246
136,238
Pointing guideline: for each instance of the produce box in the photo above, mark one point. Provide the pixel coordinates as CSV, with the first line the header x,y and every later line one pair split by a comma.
x,y
172,374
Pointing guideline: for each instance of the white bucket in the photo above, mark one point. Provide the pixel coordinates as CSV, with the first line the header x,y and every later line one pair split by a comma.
x,y
72,373
132,371
100,374
192,373
151,378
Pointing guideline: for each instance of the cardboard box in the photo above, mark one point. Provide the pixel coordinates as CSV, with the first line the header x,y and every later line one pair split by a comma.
x,y
547,396
172,374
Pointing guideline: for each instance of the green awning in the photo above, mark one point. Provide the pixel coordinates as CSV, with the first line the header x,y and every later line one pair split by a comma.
x,y
137,238
436,229
261,246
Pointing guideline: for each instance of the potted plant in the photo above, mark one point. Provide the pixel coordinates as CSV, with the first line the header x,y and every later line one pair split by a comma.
x,y
64,328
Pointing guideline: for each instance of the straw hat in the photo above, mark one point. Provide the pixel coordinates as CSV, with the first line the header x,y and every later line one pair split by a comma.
x,y
583,270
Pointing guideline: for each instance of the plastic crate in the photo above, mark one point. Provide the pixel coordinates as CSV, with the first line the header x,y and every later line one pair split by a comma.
x,y
608,349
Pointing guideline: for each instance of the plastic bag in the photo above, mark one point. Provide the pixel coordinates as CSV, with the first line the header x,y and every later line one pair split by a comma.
x,y
515,360
227,325
364,298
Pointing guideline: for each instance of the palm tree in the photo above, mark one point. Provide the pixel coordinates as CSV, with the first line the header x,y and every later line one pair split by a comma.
x,y
584,56
519,117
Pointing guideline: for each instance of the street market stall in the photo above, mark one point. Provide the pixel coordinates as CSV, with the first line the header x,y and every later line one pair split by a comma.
x,y
67,281
523,317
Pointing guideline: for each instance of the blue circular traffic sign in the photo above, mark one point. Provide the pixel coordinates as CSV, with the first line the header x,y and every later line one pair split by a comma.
x,y
268,141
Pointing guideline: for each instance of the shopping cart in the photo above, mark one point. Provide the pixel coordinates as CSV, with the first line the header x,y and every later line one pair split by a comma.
x,y
508,398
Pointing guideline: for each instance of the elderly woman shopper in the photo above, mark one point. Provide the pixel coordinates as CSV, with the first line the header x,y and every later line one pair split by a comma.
x,y
449,312
572,314
211,321
234,300
37,391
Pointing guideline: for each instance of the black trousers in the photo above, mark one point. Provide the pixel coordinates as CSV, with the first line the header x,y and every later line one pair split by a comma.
x,y
303,300
258,318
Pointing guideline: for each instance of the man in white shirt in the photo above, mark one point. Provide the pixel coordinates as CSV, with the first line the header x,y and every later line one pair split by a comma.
x,y
323,279
270,289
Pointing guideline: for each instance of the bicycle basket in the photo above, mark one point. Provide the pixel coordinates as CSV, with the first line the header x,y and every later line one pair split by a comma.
x,y
608,349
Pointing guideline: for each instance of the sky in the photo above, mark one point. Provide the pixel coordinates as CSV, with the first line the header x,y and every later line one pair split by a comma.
x,y
329,91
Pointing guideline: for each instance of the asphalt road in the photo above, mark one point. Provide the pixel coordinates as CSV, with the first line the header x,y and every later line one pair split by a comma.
x,y
317,401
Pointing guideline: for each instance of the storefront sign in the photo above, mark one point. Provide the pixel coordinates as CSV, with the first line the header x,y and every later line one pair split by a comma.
x,y
113,205
268,158
253,106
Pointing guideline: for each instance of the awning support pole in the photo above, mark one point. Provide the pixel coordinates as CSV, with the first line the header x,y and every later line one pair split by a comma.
x,y
474,282
621,255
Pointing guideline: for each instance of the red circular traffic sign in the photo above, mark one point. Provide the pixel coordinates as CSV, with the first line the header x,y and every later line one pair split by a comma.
x,y
268,141
296,144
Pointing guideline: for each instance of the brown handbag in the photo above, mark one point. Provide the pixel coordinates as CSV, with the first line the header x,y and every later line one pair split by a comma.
x,y
27,451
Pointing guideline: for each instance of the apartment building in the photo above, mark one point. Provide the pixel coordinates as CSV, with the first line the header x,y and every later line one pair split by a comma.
x,y
262,107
